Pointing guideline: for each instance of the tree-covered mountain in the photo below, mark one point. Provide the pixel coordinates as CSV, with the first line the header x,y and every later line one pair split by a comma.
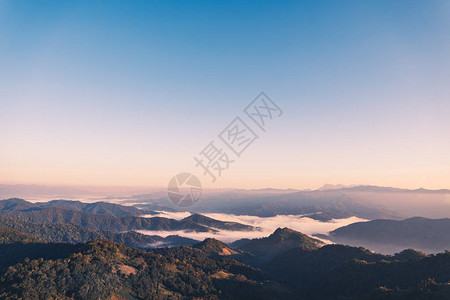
x,y
16,204
210,222
105,270
280,241
427,278
10,236
33,269
304,267
344,272
40,259
100,208
216,247
389,236
15,246
19,209
70,233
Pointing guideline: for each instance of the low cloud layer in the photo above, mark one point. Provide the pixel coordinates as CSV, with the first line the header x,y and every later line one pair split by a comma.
x,y
267,225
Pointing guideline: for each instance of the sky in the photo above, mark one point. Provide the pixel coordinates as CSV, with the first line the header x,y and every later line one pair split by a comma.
x,y
127,93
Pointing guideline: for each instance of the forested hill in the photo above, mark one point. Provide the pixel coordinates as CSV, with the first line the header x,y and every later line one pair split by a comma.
x,y
280,241
344,272
33,269
19,209
70,233
100,208
105,270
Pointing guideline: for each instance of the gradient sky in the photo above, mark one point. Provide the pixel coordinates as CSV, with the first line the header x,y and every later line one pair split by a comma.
x,y
128,92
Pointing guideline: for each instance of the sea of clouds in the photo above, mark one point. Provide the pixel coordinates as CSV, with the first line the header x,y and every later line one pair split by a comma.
x,y
266,225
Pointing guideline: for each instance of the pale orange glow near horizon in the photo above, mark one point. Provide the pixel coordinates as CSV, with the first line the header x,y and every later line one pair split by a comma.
x,y
277,160
308,180
369,106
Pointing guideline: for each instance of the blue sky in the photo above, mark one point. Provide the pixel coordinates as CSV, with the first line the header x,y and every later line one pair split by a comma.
x,y
127,92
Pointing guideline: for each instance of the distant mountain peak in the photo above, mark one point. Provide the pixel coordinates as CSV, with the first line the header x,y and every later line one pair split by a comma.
x,y
15,204
213,246
280,241
198,217
213,223
285,234
327,187
210,242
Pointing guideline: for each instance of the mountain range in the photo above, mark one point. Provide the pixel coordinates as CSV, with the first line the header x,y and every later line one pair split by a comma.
x,y
34,269
366,202
389,236
329,202
101,208
70,233
65,249
325,203
107,216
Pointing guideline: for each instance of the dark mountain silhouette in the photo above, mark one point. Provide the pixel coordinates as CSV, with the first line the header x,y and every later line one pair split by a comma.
x,y
216,247
409,254
345,272
16,246
389,236
280,241
304,267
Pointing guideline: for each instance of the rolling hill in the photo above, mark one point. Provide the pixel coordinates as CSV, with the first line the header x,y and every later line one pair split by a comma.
x,y
102,269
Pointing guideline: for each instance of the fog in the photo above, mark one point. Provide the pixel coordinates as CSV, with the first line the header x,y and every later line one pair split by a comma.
x,y
266,225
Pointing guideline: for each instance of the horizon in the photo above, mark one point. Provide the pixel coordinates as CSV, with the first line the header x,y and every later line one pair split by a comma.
x,y
324,186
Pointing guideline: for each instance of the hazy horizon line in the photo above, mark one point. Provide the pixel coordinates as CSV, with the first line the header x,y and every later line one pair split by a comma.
x,y
159,188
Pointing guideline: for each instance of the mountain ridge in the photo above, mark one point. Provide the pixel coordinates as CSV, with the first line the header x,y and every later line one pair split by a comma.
x,y
73,234
27,211
428,235
40,270
281,240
